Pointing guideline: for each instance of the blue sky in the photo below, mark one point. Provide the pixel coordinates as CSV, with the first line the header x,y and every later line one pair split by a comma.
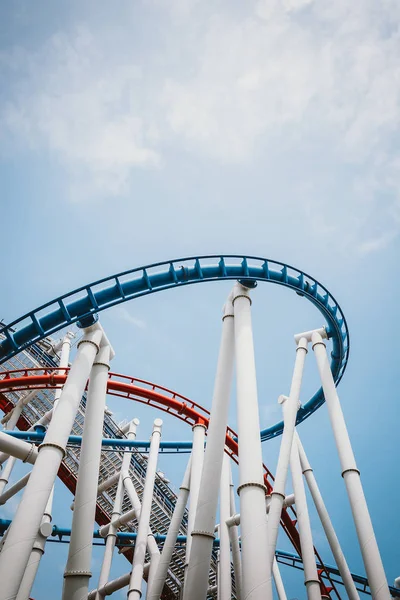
x,y
163,129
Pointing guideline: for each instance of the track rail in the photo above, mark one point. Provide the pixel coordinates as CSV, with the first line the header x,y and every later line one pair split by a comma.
x,y
166,401
83,304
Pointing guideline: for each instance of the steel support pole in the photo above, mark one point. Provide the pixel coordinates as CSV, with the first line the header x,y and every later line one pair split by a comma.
x,y
152,546
280,588
234,537
32,567
14,489
291,407
77,571
225,579
199,431
311,579
135,583
14,447
63,364
256,580
111,535
203,534
23,530
327,523
351,475
173,531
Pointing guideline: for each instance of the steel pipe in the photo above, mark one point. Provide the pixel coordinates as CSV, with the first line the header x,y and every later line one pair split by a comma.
x,y
173,531
351,475
280,588
199,431
112,528
327,523
291,407
18,545
256,580
234,538
135,583
203,534
225,579
77,570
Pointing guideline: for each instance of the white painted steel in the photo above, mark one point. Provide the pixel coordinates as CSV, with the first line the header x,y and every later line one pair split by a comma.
x,y
116,513
327,523
32,567
135,583
234,538
152,546
5,474
199,431
362,520
291,408
77,570
225,578
311,579
22,533
14,489
256,580
280,588
18,448
308,334
115,585
203,534
173,531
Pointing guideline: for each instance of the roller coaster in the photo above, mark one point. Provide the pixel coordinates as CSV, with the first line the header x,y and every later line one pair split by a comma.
x,y
56,419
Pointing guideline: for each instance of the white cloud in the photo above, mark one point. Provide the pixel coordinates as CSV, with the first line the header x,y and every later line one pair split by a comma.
x,y
80,106
126,316
271,80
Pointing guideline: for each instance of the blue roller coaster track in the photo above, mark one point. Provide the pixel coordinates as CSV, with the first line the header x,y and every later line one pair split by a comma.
x,y
82,305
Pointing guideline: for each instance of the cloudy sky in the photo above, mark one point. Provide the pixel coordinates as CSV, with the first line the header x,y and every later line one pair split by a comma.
x,y
133,132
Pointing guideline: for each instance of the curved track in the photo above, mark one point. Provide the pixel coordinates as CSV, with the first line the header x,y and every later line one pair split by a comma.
x,y
83,304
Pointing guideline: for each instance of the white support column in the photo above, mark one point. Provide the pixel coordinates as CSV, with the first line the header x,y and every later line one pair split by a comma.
x,y
280,588
77,570
32,567
199,431
135,584
203,534
173,531
327,524
225,579
351,475
63,364
111,534
23,530
234,537
311,579
291,407
152,546
14,489
256,581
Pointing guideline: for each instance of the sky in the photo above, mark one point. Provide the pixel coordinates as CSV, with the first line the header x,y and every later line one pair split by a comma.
x,y
153,130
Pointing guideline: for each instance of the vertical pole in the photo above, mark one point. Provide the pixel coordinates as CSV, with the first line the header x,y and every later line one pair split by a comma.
x,y
225,579
77,571
311,579
203,534
351,475
291,407
326,523
135,584
280,588
199,431
234,537
116,513
170,541
256,581
152,546
23,530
